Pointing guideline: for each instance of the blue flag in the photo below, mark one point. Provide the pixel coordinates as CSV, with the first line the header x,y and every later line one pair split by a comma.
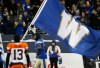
x,y
78,38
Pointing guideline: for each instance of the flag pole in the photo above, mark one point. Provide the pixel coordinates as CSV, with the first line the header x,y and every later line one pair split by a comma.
x,y
35,18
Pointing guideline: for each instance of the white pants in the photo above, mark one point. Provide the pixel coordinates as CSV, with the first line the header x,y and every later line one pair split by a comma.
x,y
39,63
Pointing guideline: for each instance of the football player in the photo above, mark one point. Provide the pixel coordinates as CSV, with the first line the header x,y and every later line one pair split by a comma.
x,y
16,53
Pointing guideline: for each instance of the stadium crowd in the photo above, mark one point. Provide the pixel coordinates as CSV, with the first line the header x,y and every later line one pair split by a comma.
x,y
16,15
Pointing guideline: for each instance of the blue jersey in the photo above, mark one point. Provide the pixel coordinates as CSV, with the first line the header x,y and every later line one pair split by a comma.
x,y
26,8
0,54
42,54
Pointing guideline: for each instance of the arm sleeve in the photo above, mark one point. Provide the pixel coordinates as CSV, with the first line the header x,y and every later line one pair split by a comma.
x,y
27,58
48,50
59,50
7,59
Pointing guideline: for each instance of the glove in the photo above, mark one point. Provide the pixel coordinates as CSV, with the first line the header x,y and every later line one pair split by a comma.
x,y
52,52
32,29
32,32
30,64
8,66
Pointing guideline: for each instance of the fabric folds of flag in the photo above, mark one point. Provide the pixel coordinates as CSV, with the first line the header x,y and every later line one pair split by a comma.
x,y
54,19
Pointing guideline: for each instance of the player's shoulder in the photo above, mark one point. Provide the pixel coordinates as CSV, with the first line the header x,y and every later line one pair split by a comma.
x,y
24,44
10,44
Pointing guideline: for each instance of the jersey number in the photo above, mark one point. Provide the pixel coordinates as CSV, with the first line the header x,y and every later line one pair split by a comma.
x,y
18,54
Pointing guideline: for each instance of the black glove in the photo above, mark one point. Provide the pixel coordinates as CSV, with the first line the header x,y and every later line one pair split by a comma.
x,y
32,32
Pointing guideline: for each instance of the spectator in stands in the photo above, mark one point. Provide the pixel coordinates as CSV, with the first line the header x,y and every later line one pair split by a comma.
x,y
6,3
40,51
98,12
6,14
37,2
63,2
27,7
95,21
53,52
35,6
6,23
19,26
73,11
92,2
13,10
20,9
26,19
88,8
20,1
85,19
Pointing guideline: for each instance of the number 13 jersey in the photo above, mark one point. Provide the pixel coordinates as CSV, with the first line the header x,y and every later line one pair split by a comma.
x,y
17,51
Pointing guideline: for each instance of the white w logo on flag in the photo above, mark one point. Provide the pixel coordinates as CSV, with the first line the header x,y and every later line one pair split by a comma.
x,y
69,26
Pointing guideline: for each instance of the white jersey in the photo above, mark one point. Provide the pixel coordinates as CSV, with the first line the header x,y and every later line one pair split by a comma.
x,y
17,55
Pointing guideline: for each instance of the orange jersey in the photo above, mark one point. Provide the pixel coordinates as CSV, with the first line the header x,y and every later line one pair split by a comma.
x,y
17,45
17,66
17,51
